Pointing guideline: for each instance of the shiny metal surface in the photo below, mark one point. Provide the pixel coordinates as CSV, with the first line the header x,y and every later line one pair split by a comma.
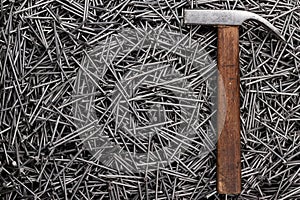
x,y
226,17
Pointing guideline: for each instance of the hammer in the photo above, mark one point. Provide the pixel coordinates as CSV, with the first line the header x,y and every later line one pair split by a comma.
x,y
228,114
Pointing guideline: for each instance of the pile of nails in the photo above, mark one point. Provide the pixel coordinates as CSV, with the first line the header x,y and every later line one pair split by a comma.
x,y
106,99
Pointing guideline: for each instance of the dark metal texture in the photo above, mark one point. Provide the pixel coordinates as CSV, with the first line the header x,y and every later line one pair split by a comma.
x,y
42,47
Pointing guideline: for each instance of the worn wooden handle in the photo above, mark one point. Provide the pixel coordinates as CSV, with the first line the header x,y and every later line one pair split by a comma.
x,y
229,156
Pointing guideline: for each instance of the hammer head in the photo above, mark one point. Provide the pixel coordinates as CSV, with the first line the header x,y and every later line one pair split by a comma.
x,y
226,18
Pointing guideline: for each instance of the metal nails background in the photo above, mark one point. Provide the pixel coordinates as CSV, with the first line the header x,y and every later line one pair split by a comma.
x,y
42,156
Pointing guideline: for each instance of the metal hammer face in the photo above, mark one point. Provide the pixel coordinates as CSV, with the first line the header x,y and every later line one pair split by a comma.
x,y
228,147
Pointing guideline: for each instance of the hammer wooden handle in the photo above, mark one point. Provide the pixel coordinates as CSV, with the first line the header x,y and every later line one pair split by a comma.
x,y
228,159
228,148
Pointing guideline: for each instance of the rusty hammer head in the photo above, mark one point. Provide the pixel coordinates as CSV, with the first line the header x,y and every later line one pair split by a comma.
x,y
226,17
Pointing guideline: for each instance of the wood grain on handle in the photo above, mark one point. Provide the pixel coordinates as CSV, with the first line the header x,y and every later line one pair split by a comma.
x,y
228,147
